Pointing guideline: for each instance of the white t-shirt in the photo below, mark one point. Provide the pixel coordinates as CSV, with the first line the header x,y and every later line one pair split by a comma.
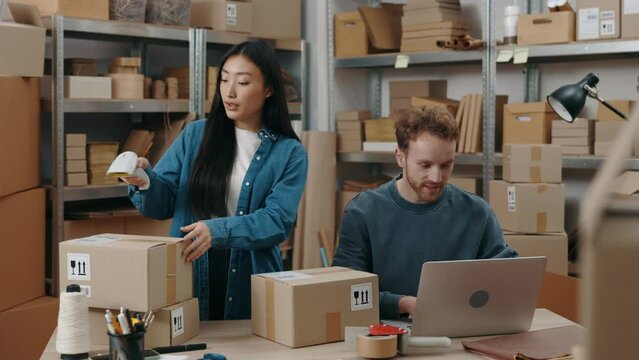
x,y
247,143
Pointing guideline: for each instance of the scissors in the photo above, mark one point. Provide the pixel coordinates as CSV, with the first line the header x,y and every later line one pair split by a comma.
x,y
213,356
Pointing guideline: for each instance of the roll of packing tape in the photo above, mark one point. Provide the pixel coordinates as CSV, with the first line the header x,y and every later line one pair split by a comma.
x,y
376,347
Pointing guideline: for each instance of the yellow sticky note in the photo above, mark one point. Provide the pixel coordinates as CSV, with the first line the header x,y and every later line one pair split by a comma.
x,y
401,62
504,56
521,56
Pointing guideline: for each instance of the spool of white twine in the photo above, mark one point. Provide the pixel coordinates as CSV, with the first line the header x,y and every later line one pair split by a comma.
x,y
72,341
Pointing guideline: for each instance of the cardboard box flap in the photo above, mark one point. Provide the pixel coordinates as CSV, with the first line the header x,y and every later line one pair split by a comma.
x,y
627,183
383,27
163,239
119,241
25,14
533,107
311,276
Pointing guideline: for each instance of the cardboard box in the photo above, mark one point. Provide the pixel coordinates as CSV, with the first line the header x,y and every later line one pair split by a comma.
x,y
88,9
571,133
75,153
19,134
532,163
79,140
223,15
79,87
579,123
277,19
182,74
605,114
350,35
553,246
576,150
349,140
75,166
22,45
546,28
418,88
353,115
127,86
28,328
573,141
560,294
466,184
528,123
173,325
629,19
598,19
76,179
608,131
284,304
399,104
22,250
380,130
150,270
603,148
350,126
528,208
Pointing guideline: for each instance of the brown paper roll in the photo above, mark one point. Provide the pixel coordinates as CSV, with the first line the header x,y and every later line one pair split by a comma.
x,y
376,347
171,88
159,89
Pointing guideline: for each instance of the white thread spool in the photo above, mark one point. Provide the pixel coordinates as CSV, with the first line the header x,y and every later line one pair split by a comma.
x,y
72,341
511,13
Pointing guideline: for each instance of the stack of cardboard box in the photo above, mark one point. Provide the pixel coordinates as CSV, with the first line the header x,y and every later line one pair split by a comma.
x,y
151,275
75,160
528,123
100,156
349,129
530,203
575,138
400,92
183,78
427,22
609,125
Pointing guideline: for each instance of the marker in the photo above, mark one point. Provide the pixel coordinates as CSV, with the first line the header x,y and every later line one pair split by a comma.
x,y
115,322
180,348
126,330
110,324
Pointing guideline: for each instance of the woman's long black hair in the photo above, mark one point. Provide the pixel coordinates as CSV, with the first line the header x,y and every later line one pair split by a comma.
x,y
214,163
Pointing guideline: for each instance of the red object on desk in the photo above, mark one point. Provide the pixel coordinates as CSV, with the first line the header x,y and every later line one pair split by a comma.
x,y
383,329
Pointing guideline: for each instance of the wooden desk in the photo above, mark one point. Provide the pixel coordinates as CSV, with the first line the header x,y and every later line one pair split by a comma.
x,y
234,340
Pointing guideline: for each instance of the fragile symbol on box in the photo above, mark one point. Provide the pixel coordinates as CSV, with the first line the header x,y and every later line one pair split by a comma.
x,y
361,296
177,322
78,267
231,11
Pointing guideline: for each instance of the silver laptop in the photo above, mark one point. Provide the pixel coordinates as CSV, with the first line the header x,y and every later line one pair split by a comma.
x,y
477,297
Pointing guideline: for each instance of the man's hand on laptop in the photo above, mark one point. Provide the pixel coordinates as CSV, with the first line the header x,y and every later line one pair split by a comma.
x,y
407,305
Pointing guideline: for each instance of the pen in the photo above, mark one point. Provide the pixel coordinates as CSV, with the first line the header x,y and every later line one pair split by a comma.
x,y
114,321
128,319
110,324
124,324
180,348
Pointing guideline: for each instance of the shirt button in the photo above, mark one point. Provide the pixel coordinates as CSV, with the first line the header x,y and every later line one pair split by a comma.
x,y
233,270
230,299
241,212
247,183
258,158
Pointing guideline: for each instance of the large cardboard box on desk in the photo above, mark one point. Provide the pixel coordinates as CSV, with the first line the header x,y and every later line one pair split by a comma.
x,y
528,208
22,248
309,307
19,133
172,325
22,44
138,272
553,246
528,123
27,328
532,163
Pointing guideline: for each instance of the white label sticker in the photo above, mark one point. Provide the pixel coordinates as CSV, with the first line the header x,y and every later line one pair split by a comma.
x,y
231,21
177,322
588,23
231,10
98,239
512,199
287,275
607,14
86,290
401,62
630,7
79,267
524,118
607,27
361,296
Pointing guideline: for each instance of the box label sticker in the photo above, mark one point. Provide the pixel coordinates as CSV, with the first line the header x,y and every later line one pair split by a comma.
x,y
231,11
177,322
524,118
287,275
98,239
231,21
607,14
512,199
588,23
78,267
607,28
86,290
361,296
630,7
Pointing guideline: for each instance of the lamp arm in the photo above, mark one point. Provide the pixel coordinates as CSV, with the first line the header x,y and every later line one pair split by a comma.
x,y
593,92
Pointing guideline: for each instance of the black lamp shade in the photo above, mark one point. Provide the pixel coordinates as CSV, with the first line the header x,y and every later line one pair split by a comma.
x,y
568,100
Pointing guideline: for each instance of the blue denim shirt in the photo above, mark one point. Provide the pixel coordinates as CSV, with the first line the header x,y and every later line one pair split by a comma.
x,y
265,215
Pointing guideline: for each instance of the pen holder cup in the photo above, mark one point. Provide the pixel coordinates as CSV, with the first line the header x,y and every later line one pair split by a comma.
x,y
126,347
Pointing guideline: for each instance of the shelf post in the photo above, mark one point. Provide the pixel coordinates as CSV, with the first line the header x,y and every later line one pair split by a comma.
x,y
489,70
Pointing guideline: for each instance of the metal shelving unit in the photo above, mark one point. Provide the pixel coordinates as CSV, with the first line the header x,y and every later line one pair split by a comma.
x,y
138,35
595,50
388,60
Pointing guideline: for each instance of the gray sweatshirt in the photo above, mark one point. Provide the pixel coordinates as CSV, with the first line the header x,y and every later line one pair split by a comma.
x,y
385,234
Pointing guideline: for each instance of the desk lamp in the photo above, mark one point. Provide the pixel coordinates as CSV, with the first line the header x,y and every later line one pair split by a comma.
x,y
568,100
